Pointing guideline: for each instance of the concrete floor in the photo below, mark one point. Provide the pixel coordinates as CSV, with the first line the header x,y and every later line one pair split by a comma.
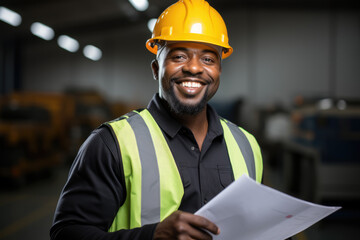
x,y
27,213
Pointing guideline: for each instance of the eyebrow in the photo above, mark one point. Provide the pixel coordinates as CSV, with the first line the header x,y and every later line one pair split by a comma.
x,y
187,49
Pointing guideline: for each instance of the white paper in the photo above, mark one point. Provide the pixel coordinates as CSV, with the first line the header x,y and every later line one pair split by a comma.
x,y
247,210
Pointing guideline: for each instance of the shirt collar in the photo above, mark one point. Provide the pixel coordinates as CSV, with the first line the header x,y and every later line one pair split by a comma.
x,y
171,126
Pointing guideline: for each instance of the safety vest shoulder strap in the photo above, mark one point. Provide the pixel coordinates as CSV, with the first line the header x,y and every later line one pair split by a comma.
x,y
241,144
150,189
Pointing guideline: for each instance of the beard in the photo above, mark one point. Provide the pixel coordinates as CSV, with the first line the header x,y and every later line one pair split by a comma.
x,y
179,108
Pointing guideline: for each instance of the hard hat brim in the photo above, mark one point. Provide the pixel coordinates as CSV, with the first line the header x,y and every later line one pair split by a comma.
x,y
152,47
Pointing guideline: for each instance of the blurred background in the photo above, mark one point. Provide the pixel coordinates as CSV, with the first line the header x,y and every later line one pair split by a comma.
x,y
293,81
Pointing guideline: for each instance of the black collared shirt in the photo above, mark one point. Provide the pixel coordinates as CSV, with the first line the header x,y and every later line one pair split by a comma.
x,y
95,189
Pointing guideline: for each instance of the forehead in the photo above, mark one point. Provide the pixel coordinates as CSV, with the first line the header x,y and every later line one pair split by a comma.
x,y
194,46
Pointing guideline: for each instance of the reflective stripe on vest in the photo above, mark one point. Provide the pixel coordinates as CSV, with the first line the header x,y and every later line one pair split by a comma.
x,y
243,145
153,192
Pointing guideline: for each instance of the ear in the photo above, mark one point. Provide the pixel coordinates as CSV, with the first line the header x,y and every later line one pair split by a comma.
x,y
155,69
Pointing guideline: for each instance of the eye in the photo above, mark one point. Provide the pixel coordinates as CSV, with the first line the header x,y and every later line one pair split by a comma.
x,y
208,60
178,57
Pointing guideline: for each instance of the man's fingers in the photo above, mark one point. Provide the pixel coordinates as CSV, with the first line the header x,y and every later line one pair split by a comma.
x,y
201,223
190,232
181,225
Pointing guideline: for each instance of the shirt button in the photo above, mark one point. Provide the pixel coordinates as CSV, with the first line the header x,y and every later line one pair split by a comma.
x,y
193,148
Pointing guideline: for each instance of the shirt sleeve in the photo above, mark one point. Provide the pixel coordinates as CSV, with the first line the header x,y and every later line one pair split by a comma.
x,y
93,194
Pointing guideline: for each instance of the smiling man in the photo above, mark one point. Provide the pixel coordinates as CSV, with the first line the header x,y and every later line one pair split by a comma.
x,y
143,175
190,75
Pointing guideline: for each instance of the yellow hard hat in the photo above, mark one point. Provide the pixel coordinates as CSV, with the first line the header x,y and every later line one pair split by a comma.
x,y
191,20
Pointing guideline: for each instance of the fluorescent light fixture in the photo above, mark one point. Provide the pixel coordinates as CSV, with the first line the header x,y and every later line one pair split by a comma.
x,y
92,52
325,104
341,104
42,31
151,24
68,43
10,16
140,5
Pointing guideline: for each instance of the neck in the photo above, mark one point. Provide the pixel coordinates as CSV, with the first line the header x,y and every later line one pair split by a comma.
x,y
198,124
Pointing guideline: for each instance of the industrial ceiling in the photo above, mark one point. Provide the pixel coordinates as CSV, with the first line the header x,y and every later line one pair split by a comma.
x,y
82,17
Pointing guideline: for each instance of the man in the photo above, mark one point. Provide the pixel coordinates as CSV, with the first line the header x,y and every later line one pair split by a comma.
x,y
142,176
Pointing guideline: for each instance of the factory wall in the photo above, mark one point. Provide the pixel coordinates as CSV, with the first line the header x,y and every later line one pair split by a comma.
x,y
278,54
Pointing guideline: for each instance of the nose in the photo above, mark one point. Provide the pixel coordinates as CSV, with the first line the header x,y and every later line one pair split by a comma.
x,y
193,66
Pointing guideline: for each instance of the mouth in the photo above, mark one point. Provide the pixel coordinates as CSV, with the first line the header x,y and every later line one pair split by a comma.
x,y
190,88
191,84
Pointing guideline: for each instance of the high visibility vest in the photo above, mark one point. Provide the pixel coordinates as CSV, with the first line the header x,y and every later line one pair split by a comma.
x,y
153,185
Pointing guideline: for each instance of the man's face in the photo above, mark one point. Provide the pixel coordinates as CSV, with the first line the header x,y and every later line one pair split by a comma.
x,y
188,74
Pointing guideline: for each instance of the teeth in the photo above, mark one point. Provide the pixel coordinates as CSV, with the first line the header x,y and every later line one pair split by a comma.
x,y
191,84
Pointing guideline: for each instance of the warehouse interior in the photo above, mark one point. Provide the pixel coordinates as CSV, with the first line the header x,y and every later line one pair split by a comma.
x,y
293,81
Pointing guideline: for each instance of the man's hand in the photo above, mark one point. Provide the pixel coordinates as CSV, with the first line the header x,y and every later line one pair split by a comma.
x,y
182,225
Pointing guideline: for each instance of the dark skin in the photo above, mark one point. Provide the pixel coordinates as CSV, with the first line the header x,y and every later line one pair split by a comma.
x,y
178,65
189,73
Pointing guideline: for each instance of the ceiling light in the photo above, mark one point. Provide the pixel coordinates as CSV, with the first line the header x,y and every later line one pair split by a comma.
x,y
151,24
140,5
10,16
341,104
68,43
42,31
92,52
325,104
